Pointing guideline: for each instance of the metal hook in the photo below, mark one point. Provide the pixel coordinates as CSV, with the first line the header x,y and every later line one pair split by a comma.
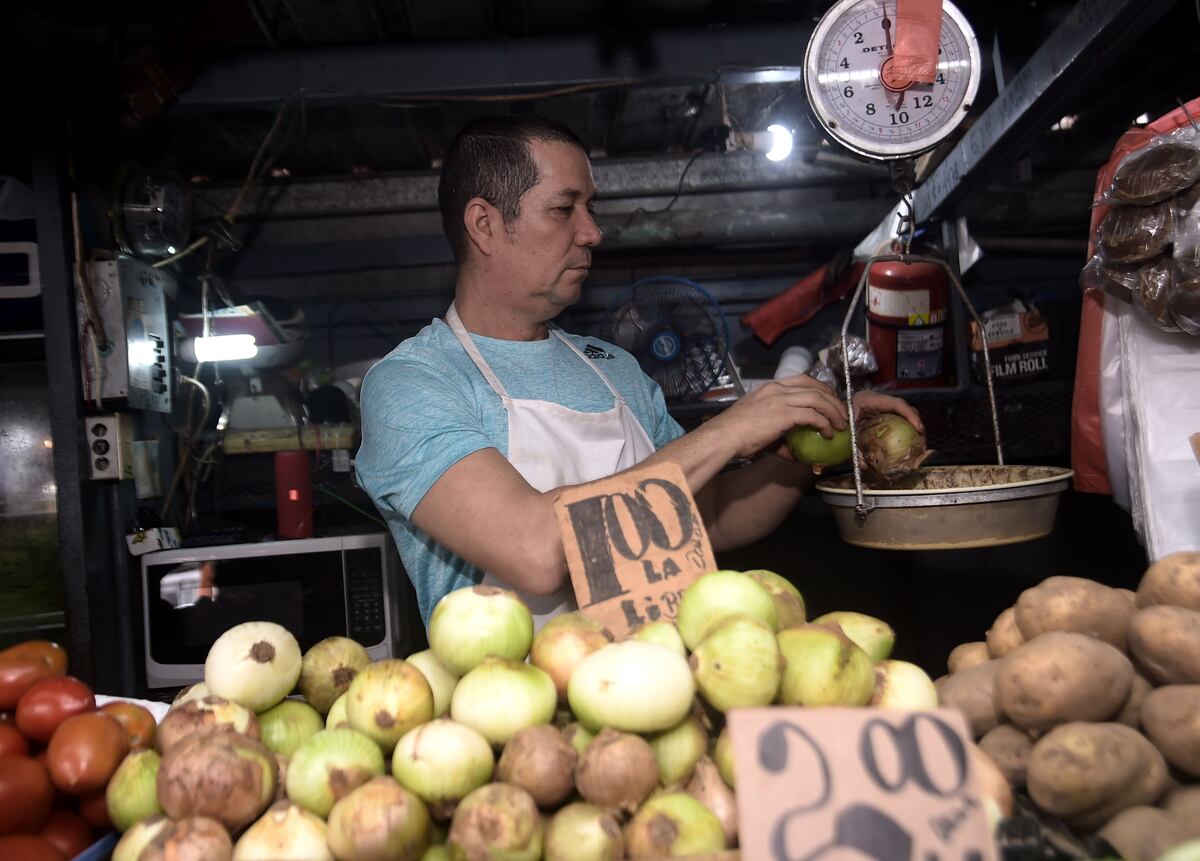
x,y
906,223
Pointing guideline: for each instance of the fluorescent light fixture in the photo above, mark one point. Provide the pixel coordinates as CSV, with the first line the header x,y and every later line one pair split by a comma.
x,y
225,348
781,142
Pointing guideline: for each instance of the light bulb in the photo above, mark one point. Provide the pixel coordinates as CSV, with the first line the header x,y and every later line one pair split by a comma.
x,y
225,348
781,142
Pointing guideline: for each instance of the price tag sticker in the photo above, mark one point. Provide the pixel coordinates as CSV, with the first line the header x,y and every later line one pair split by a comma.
x,y
634,542
837,783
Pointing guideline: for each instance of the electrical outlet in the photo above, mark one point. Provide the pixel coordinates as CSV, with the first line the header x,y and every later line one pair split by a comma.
x,y
109,441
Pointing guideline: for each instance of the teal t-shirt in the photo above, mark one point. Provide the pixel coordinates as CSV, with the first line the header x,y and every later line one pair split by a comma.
x,y
425,406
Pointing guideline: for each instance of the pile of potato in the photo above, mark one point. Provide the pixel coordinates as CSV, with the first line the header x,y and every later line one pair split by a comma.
x,y
1089,697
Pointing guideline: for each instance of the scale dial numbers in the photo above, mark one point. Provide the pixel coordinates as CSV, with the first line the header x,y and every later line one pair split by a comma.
x,y
846,90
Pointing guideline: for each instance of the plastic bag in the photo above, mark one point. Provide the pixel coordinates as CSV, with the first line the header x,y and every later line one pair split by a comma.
x,y
1117,281
1184,305
1156,283
1156,172
1135,234
1187,231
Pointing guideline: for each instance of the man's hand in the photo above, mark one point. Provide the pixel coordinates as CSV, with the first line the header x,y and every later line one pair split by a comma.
x,y
868,403
757,421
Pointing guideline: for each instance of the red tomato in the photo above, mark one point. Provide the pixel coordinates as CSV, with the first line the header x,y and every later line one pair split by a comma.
x,y
12,743
139,724
52,654
49,702
84,752
94,810
67,832
25,795
18,676
28,847
8,718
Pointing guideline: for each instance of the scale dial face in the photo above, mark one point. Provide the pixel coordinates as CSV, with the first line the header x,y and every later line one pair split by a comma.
x,y
843,76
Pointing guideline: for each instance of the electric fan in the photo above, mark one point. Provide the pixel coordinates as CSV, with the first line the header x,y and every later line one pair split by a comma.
x,y
677,332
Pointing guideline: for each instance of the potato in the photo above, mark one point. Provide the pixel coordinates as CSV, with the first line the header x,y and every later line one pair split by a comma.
x,y
1173,580
1165,641
1073,604
1129,595
967,655
1171,719
995,790
1009,747
1130,713
1088,772
1061,677
1004,635
1142,833
1184,807
972,691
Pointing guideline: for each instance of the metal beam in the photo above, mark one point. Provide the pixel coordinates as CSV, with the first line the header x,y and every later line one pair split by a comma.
x,y
615,178
262,80
1093,36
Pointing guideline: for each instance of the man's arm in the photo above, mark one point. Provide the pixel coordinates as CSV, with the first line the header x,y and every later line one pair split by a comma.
x,y
483,510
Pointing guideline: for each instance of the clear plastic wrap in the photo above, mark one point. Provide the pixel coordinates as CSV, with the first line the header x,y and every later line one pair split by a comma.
x,y
1184,305
1156,172
829,369
1156,283
1135,234
1117,281
1187,231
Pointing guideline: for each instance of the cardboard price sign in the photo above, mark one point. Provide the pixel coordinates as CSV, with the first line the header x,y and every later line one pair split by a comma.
x,y
891,785
634,542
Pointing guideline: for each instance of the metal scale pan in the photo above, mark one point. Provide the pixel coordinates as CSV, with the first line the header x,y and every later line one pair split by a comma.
x,y
943,507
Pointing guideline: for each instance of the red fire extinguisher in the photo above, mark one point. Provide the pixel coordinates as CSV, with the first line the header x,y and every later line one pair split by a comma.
x,y
908,305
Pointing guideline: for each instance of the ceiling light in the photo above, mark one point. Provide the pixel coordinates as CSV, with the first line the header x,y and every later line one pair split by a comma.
x,y
781,142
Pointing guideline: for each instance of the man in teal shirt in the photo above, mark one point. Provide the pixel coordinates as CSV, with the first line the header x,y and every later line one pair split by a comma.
x,y
471,428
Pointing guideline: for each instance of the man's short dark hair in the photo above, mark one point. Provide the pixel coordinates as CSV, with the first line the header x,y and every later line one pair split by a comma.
x,y
490,158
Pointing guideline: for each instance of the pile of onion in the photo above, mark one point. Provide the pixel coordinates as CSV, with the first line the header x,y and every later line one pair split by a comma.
x,y
677,750
738,664
584,832
542,762
286,832
901,685
223,775
632,686
329,765
201,715
663,633
441,681
471,624
286,726
190,837
441,762
328,668
789,603
891,447
823,667
873,636
132,794
671,825
498,821
387,699
707,787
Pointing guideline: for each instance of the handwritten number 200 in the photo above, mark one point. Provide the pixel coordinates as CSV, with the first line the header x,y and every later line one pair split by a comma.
x,y
911,761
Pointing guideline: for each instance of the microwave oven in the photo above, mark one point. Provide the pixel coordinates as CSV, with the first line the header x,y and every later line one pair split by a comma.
x,y
351,586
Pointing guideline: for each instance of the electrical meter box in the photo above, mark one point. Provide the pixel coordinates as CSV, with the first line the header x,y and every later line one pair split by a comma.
x,y
135,364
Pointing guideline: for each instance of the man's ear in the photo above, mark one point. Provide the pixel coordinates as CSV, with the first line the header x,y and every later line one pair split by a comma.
x,y
483,224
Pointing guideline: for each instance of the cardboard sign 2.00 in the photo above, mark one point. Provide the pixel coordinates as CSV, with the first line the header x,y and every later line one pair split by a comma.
x,y
634,542
888,785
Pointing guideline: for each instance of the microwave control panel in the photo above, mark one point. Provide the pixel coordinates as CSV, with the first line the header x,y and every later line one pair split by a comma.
x,y
366,603
135,364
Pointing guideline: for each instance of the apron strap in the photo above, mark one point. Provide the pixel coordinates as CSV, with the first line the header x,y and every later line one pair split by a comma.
x,y
460,332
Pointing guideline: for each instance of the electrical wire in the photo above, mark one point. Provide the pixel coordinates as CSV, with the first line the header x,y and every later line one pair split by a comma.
x,y
678,191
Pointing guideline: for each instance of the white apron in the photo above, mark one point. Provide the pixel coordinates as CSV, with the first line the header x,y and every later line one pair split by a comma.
x,y
552,446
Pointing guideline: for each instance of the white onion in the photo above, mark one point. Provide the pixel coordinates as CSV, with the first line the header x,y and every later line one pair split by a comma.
x,y
139,835
337,714
539,760
499,698
131,795
328,669
873,636
441,762
330,765
789,603
197,691
562,643
738,664
387,699
584,832
617,770
823,668
723,754
284,727
707,787
678,749
254,663
497,822
471,624
379,821
441,681
663,633
633,687
673,825
718,595
578,736
286,832
901,685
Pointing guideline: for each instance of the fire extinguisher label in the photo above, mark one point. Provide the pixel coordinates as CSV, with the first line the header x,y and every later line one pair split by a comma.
x,y
904,304
919,353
